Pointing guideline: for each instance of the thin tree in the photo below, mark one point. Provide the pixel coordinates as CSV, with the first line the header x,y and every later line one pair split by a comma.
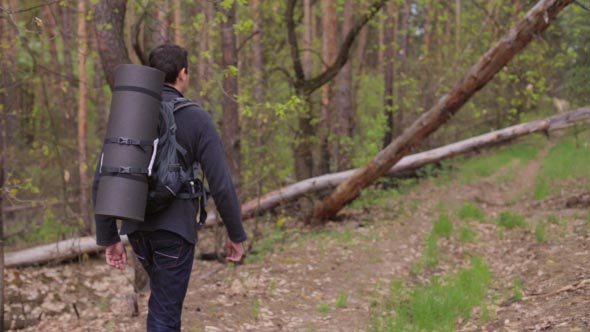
x,y
177,22
231,135
389,41
82,111
329,52
305,85
534,22
345,118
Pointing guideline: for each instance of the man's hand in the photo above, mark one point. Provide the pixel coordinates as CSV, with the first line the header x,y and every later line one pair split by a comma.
x,y
116,255
235,251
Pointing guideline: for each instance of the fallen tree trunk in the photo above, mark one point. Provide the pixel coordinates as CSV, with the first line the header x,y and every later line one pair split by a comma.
x,y
534,22
415,161
74,247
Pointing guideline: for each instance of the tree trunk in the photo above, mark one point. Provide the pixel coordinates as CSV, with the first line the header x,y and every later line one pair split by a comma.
x,y
82,111
304,86
109,19
69,101
160,33
6,67
345,118
74,247
428,27
329,52
231,117
178,22
389,32
205,63
304,163
403,69
457,26
257,53
535,21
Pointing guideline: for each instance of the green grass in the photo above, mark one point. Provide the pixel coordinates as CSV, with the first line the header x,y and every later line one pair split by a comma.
x,y
435,307
567,160
265,246
255,309
470,211
443,227
430,257
342,300
517,292
484,166
322,308
511,220
541,232
466,234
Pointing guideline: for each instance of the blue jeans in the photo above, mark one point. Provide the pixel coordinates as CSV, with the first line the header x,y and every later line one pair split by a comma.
x,y
168,259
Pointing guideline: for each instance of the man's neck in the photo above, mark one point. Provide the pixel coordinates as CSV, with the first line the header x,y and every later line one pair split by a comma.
x,y
175,87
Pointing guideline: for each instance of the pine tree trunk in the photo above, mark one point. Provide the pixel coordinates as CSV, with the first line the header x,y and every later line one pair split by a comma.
x,y
329,52
388,55
69,100
304,162
5,81
82,111
205,63
231,117
160,33
534,22
403,68
345,118
178,22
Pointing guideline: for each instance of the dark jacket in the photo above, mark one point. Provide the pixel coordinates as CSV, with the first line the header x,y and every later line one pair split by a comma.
x,y
197,134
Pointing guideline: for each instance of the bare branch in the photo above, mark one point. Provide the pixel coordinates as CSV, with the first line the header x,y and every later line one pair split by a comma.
x,y
315,83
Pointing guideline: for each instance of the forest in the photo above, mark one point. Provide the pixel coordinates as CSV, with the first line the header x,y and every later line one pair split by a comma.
x,y
317,102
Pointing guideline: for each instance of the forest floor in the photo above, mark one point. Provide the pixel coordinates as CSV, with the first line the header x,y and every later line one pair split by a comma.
x,y
342,277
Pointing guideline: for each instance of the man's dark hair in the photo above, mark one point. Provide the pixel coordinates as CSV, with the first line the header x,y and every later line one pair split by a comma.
x,y
170,59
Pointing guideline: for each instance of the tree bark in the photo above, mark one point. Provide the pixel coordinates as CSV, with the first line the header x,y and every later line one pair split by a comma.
x,y
231,117
74,247
345,118
82,111
403,69
389,32
6,67
257,53
178,22
160,33
329,51
109,19
535,21
69,99
205,63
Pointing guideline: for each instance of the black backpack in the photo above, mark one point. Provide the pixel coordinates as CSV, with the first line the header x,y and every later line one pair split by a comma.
x,y
168,179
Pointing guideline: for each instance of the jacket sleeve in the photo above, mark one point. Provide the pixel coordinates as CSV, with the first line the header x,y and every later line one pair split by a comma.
x,y
211,155
106,227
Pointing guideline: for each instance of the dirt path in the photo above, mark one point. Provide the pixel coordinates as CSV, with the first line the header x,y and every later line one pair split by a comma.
x,y
333,279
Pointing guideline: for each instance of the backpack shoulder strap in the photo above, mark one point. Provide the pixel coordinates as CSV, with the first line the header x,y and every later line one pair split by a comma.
x,y
180,103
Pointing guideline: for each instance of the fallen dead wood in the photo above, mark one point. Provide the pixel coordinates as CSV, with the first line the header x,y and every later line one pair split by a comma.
x,y
74,247
59,251
515,40
415,161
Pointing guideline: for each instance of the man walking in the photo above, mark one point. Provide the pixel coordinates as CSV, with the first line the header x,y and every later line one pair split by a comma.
x,y
165,242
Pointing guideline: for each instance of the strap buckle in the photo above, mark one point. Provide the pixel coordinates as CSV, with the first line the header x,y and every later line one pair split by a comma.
x,y
123,140
125,169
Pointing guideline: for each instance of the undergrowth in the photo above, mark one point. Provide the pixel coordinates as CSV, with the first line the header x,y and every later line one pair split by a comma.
x,y
569,159
475,168
437,306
